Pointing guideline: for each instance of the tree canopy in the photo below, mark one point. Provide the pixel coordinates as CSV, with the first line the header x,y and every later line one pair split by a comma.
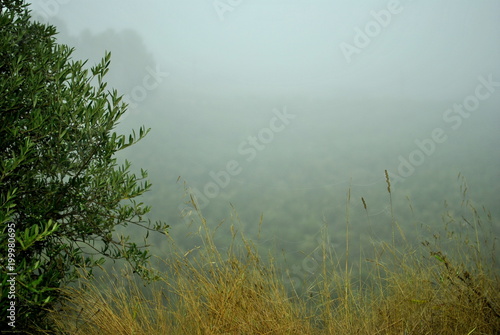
x,y
62,191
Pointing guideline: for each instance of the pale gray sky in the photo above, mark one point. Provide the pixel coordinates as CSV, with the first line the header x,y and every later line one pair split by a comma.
x,y
425,49
367,80
372,85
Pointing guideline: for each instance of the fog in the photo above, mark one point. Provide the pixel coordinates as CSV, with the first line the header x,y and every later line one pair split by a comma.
x,y
288,109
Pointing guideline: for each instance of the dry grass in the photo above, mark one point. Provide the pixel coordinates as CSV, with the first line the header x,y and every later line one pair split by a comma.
x,y
412,290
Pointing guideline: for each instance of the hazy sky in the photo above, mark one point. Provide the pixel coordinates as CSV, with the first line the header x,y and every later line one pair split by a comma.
x,y
408,49
372,86
368,81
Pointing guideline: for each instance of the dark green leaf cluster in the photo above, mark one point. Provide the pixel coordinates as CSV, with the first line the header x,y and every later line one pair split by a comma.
x,y
62,192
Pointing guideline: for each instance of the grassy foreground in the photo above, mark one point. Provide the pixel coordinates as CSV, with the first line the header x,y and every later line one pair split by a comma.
x,y
447,285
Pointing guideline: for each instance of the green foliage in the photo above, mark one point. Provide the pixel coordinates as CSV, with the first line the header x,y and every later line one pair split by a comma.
x,y
62,192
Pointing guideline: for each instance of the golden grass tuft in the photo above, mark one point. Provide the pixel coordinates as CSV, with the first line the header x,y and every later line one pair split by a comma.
x,y
431,288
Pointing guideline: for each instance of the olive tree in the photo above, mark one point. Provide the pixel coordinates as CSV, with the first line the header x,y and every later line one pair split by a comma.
x,y
62,191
